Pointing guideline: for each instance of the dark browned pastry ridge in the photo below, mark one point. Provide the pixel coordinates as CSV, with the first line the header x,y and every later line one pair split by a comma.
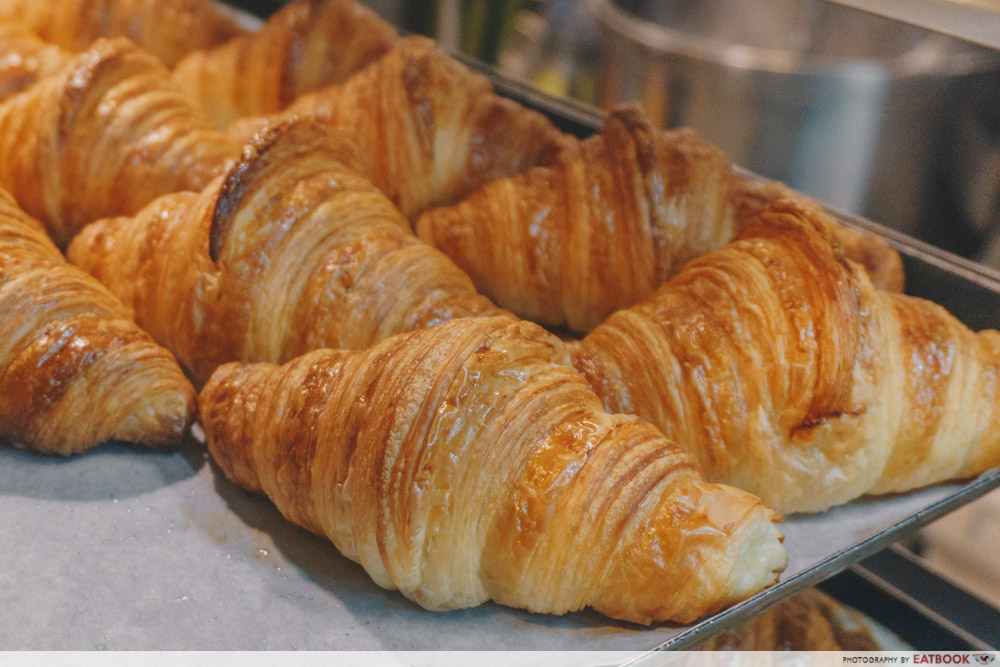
x,y
290,251
75,371
468,461
785,372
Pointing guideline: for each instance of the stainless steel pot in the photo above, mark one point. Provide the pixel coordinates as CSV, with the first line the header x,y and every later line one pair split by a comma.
x,y
859,111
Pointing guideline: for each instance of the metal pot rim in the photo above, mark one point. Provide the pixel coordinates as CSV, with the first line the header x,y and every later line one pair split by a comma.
x,y
921,61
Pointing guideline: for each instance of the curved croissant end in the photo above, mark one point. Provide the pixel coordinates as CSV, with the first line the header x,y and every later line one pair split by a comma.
x,y
468,461
75,371
777,364
105,136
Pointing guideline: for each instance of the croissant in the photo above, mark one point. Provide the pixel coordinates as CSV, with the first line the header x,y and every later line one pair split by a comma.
x,y
603,227
429,129
166,28
24,59
292,250
75,371
882,263
786,373
105,136
468,462
305,45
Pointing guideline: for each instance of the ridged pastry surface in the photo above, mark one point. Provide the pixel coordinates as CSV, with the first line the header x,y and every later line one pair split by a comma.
x,y
75,371
303,46
468,461
778,365
429,129
292,250
24,59
607,222
168,29
105,136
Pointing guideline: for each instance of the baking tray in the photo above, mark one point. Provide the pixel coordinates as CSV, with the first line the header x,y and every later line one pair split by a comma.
x,y
127,548
904,593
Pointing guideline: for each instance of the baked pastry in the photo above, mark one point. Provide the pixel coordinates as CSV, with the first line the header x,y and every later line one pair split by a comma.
x,y
429,129
809,621
304,46
468,462
751,196
777,364
291,251
105,136
166,28
75,371
24,59
602,227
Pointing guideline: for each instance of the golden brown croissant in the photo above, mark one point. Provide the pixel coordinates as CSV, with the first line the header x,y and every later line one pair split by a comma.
x,y
105,136
24,59
430,130
292,250
166,28
468,461
75,371
598,230
305,45
777,364
572,243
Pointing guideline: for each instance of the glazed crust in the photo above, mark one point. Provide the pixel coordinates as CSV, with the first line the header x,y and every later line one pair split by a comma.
x,y
24,59
604,226
785,372
607,223
75,371
168,29
429,130
290,251
105,136
469,462
302,47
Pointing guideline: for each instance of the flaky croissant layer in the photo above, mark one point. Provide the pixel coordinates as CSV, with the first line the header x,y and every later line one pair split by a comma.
x,y
777,364
75,371
104,136
290,251
429,129
168,29
24,59
607,222
305,45
468,462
